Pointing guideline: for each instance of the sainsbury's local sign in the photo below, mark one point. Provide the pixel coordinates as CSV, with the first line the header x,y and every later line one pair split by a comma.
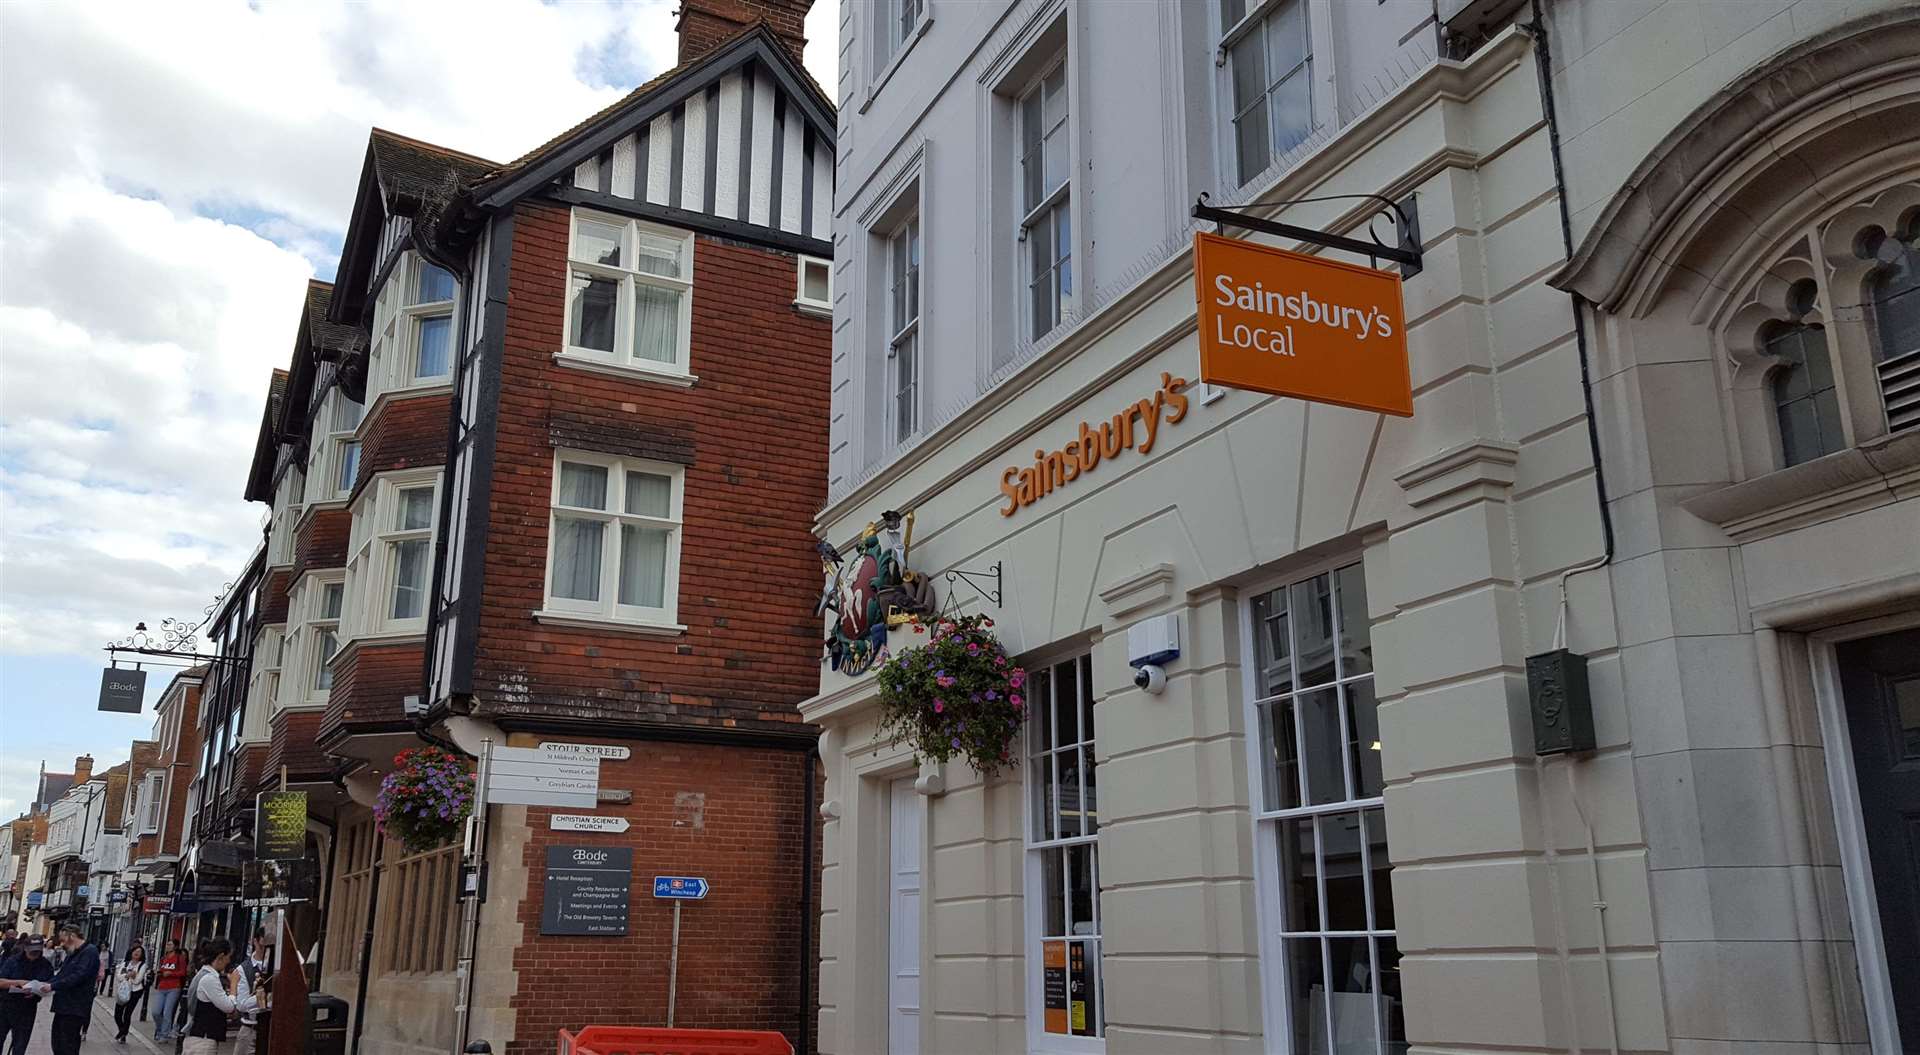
x,y
1290,324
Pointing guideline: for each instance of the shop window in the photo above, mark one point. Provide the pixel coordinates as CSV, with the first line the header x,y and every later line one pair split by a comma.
x,y
1268,55
629,295
1331,960
903,328
421,921
614,550
347,914
1066,999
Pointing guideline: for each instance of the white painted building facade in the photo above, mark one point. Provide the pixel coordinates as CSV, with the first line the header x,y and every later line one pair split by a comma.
x,y
1401,871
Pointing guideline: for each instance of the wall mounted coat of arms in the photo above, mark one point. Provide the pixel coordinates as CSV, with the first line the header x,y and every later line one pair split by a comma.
x,y
869,591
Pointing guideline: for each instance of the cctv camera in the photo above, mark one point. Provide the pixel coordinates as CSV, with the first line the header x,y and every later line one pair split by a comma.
x,y
1150,677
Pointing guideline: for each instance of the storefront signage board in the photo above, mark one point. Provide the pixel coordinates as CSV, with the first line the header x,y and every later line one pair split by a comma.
x,y
1290,324
156,904
280,825
122,691
586,890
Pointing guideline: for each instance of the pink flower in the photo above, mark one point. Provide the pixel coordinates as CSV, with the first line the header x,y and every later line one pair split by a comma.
x,y
1017,678
1017,701
939,705
973,649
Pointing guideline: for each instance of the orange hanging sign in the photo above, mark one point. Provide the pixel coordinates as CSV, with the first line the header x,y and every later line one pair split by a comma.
x,y
1290,324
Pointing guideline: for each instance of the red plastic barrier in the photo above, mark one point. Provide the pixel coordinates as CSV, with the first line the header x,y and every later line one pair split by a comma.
x,y
650,1040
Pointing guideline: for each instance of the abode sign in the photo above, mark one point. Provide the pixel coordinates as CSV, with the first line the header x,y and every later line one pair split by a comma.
x,y
1290,324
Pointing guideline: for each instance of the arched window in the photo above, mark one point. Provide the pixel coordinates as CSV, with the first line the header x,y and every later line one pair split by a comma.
x,y
1894,292
1804,400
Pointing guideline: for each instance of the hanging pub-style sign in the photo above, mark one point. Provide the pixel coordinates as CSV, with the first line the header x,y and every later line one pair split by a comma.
x,y
1290,324
122,690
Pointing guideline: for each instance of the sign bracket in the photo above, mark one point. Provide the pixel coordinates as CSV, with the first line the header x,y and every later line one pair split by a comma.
x,y
978,580
1405,215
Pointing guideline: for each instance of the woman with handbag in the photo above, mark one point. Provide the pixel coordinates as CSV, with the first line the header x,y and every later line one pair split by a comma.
x,y
128,979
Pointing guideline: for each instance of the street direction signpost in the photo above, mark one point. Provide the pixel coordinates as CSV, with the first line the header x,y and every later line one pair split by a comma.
x,y
679,890
526,776
586,890
586,822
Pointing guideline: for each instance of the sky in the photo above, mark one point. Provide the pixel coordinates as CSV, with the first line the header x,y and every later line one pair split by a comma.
x,y
172,176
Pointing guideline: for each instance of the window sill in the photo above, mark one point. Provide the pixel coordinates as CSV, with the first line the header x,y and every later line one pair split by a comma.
x,y
633,373
384,637
817,310
1825,488
621,626
893,64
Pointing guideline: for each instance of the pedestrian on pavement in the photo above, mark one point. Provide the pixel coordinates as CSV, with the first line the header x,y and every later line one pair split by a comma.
x,y
26,966
146,991
72,988
7,942
255,970
168,977
128,980
212,999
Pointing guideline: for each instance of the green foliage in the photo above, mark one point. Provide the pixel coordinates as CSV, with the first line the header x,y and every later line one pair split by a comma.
x,y
956,696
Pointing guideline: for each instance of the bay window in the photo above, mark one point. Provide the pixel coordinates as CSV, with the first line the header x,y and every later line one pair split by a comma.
x,y
1268,59
412,328
1065,997
334,462
629,295
1046,206
390,552
903,315
328,599
1332,963
614,548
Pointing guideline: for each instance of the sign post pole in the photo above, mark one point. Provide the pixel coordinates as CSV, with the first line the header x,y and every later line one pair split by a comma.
x,y
673,965
475,853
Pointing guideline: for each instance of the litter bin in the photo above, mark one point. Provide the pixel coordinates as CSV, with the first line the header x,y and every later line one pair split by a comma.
x,y
326,1025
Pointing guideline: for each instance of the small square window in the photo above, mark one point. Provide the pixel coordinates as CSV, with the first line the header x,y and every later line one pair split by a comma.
x,y
816,283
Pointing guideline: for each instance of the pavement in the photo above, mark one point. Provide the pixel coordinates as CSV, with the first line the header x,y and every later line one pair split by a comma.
x,y
99,1040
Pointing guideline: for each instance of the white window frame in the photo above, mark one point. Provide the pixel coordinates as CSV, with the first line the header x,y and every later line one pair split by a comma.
x,y
394,361
150,802
812,305
1054,207
285,514
905,350
316,625
373,555
621,359
1037,844
1318,72
330,446
263,688
897,25
608,610
1270,895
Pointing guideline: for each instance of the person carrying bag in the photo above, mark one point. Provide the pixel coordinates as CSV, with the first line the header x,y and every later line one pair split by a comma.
x,y
129,979
212,1002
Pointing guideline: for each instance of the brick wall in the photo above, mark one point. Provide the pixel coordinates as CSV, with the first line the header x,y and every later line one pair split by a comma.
x,y
321,541
705,23
181,762
369,682
405,433
753,433
733,815
294,745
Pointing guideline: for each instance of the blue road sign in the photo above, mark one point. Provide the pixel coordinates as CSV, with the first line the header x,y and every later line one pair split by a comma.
x,y
691,888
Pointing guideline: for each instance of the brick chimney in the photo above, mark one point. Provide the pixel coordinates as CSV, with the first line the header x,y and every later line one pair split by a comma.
x,y
82,770
705,23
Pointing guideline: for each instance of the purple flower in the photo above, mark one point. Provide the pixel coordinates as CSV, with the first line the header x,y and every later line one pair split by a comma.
x,y
992,695
956,741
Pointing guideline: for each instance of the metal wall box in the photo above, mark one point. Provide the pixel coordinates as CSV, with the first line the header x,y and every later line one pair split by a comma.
x,y
1560,703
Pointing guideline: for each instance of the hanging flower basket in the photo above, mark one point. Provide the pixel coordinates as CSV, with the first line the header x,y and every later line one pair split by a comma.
x,y
957,696
425,799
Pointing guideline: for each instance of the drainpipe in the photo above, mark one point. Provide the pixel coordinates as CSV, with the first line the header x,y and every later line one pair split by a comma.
x,y
808,818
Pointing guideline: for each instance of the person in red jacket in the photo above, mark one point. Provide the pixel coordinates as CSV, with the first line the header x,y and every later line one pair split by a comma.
x,y
168,978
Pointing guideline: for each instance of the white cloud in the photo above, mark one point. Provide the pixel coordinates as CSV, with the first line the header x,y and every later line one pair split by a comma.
x,y
172,176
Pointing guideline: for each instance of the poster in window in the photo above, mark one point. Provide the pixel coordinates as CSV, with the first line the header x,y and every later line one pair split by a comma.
x,y
1078,994
1053,958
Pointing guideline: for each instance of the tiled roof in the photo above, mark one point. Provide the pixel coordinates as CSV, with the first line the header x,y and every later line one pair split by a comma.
x,y
321,332
407,166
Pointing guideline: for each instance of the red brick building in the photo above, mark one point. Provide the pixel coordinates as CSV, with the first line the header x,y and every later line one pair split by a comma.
x,y
542,470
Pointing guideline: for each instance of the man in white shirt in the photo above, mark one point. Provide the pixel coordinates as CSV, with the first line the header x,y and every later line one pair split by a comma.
x,y
253,973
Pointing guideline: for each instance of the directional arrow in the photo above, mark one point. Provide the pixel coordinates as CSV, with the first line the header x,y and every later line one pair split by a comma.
x,y
686,888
